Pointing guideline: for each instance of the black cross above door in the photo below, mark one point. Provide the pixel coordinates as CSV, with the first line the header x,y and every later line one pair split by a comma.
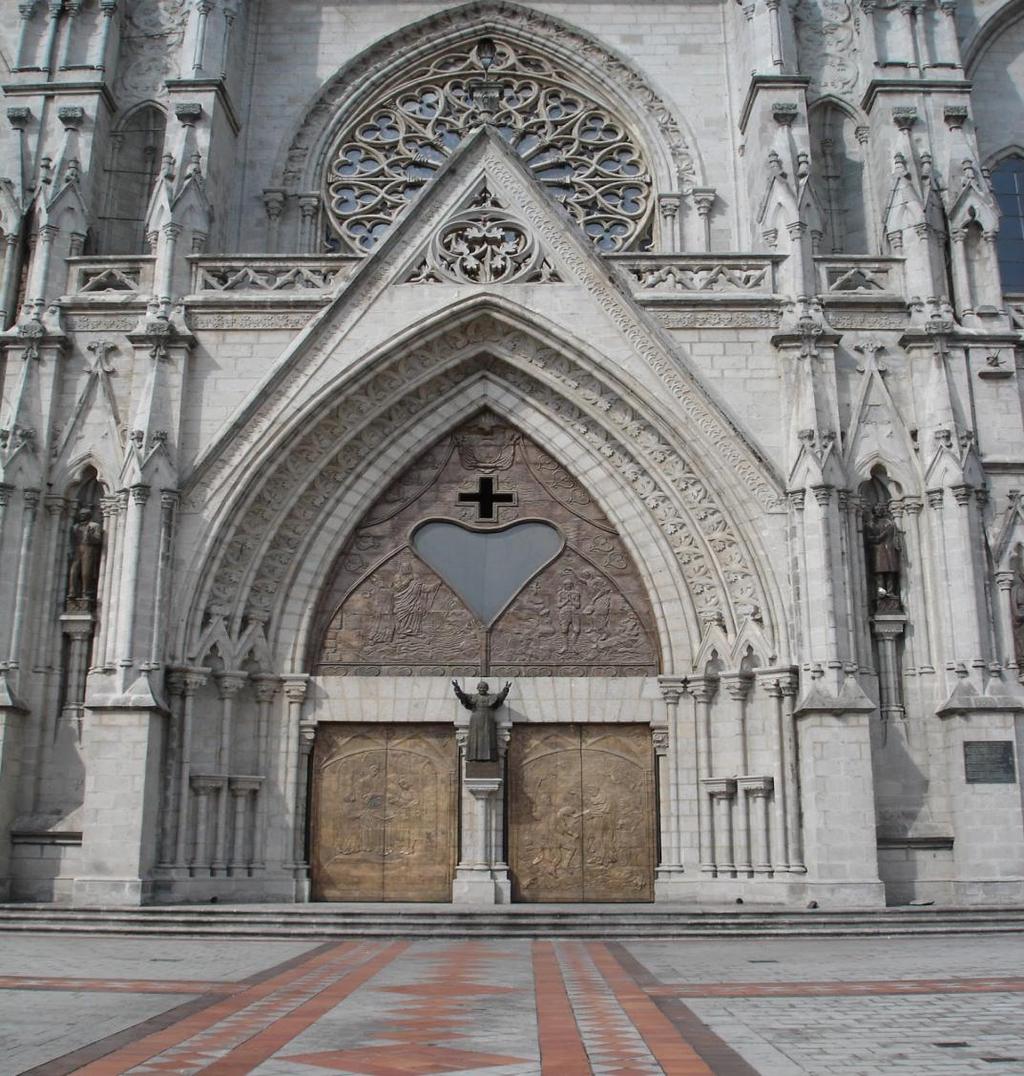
x,y
487,499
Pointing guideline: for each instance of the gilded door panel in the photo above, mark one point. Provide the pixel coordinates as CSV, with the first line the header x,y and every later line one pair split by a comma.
x,y
581,813
545,798
618,813
384,812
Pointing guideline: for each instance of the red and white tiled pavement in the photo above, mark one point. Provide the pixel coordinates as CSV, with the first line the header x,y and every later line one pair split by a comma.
x,y
403,1008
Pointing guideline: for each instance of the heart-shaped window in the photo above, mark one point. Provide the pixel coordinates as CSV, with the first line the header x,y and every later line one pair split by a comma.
x,y
487,568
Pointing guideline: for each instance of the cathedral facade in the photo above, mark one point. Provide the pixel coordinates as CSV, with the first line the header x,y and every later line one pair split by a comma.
x,y
491,452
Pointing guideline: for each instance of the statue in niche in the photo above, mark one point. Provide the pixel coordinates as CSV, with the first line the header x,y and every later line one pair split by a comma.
x,y
482,741
884,547
1017,606
87,543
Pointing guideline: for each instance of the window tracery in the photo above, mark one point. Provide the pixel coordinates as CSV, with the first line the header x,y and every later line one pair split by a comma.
x,y
575,146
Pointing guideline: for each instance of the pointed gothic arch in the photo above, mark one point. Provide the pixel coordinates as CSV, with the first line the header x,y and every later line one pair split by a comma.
x,y
272,548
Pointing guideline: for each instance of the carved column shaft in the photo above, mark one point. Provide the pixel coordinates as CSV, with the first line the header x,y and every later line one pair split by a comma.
x,y
791,774
192,680
168,503
266,687
670,775
103,651
228,684
127,598
295,692
30,504
703,691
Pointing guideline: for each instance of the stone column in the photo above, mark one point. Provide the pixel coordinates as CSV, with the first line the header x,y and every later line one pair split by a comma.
x,y
307,737
191,681
244,840
273,203
265,686
703,691
721,792
228,685
204,785
677,758
755,791
295,688
308,206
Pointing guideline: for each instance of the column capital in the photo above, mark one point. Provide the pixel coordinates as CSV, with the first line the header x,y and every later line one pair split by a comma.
x,y
755,786
702,688
230,682
737,685
265,686
242,786
720,787
672,688
295,686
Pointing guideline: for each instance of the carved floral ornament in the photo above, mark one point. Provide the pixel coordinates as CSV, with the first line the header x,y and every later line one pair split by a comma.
x,y
579,149
265,544
485,244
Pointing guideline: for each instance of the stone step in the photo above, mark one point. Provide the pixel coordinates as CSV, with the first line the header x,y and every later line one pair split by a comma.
x,y
312,921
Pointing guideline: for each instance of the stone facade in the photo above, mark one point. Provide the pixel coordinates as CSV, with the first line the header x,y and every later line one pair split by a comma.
x,y
734,270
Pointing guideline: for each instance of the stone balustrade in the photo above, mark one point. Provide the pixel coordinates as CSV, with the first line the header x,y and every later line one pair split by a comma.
x,y
295,274
110,276
692,273
859,275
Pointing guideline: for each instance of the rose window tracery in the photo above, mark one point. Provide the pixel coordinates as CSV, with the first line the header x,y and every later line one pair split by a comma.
x,y
577,147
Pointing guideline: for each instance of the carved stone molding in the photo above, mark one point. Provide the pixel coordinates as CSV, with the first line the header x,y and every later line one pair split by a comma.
x,y
258,554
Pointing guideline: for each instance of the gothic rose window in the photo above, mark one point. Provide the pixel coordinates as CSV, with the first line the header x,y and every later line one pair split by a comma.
x,y
577,147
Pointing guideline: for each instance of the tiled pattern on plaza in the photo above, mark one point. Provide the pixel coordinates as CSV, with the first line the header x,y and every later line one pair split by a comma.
x,y
511,1007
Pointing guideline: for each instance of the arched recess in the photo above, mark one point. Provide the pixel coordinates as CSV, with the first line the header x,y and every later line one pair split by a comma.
x,y
273,548
130,174
669,146
840,169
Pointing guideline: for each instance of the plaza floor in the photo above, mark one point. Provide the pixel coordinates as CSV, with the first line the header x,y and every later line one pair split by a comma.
x,y
511,1007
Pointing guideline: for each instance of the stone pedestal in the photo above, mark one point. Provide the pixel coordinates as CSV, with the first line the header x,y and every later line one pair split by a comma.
x,y
482,874
122,789
837,804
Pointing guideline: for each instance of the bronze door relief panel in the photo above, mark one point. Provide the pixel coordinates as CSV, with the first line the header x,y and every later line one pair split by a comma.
x,y
384,823
581,813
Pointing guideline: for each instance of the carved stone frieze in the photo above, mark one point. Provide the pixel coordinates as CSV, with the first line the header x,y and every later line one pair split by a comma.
x,y
153,33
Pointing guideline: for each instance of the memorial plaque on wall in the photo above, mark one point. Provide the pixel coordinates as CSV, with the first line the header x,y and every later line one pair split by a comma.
x,y
989,762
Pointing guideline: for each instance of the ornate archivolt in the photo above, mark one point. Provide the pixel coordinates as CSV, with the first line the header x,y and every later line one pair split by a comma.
x,y
544,48
579,149
269,535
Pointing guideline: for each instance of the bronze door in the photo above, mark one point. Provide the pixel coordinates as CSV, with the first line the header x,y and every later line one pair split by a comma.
x,y
384,812
581,813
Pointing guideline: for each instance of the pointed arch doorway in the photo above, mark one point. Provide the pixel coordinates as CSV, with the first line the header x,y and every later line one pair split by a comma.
x,y
485,558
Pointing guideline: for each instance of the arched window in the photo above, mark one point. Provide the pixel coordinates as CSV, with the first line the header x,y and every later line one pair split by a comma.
x,y
574,144
134,164
1008,185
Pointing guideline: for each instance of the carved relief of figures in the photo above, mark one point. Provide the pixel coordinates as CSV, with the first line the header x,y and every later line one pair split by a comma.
x,y
884,546
391,606
571,615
